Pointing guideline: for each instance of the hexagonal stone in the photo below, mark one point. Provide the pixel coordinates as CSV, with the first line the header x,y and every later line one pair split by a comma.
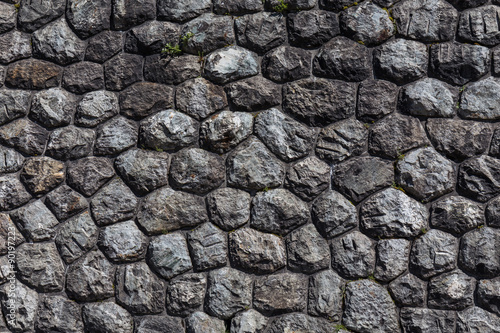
x,y
479,252
53,107
122,71
359,177
35,221
10,160
488,294
343,59
115,136
325,295
228,292
200,322
88,174
451,291
458,139
9,235
353,255
26,301
76,237
286,63
376,99
256,252
57,313
392,258
477,320
332,214
456,215
252,166
301,322
158,324
168,130
367,23
17,104
200,98
185,294
478,178
312,28
150,37
307,251
139,290
12,193
478,101
308,178
32,16
104,46
107,317
249,321
8,16
15,46
165,210
433,253
208,247
42,174
408,290
394,135
230,64
459,63
123,242
168,255
33,74
172,70
260,32
40,267
70,142
145,98
228,208
127,14
311,101
428,98
237,7
95,108
172,10
91,278
255,93
480,25
280,293
83,77
89,17
426,320
224,131
341,140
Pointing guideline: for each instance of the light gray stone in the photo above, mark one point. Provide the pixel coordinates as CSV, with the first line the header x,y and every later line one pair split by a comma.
x,y
10,160
333,214
123,242
353,255
229,208
16,104
208,247
408,290
456,215
308,178
14,45
200,322
25,136
422,320
88,17
115,136
53,107
392,258
158,324
478,100
200,98
479,252
186,293
475,320
26,301
168,255
95,108
451,291
56,313
107,317
429,98
12,193
35,221
8,16
181,11
299,322
326,291
307,251
230,64
224,131
249,321
70,142
9,235
480,25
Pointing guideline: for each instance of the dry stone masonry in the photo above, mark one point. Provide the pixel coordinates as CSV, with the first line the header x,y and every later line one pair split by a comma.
x,y
250,166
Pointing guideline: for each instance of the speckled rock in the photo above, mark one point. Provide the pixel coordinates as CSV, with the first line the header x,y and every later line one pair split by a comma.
x,y
12,193
249,321
428,98
456,215
230,64
185,294
17,104
95,108
15,46
56,313
479,252
32,16
325,295
35,221
33,74
478,101
479,25
222,7
208,247
286,63
308,178
255,93
376,99
312,28
168,255
333,214
260,32
392,258
200,322
479,178
83,77
181,11
150,37
477,320
53,107
76,237
353,255
408,290
299,322
42,174
107,317
115,136
88,17
493,212
10,160
200,98
9,234
70,142
88,174
158,324
224,131
8,16
488,295
229,208
307,251
128,13
123,242
26,301
425,320
451,291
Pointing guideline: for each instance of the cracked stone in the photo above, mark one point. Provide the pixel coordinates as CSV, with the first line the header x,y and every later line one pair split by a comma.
x,y
115,136
478,100
477,320
451,291
408,290
456,215
123,70
123,242
173,10
26,301
249,321
325,295
479,178
255,93
286,63
88,174
260,32
376,99
208,247
224,131
392,258
25,136
10,160
150,37
168,255
312,28
230,64
307,251
53,107
208,32
200,98
42,174
95,108
168,70
83,77
70,142
103,46
308,178
428,98
33,15
14,45
480,25
200,322
333,214
89,17
107,317
129,13
35,221
185,294
33,74
16,104
421,320
12,193
353,255
480,252
56,313
229,208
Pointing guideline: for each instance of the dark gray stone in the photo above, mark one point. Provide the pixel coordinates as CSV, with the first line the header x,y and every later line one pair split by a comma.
x,y
200,322
255,93
222,7
14,45
168,255
376,99
42,174
123,242
392,258
463,4
200,98
496,62
335,5
115,136
408,290
26,302
158,324
286,63
12,193
145,98
249,321
495,143
9,236
35,221
428,98
151,37
33,74
420,320
103,46
230,64
326,291
185,294
312,28
477,320
33,15
299,322
478,100
208,247
83,77
16,104
176,11
88,174
332,214
172,70
95,108
10,160
493,213
53,107
479,178
260,32
480,25
456,215
229,208
89,17
128,13
224,131
353,255
107,317
70,142
488,295
479,252
58,314
8,15
123,70
308,178
307,251
451,291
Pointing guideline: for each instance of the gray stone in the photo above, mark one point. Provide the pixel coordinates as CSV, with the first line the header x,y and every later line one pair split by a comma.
x,y
107,317
312,28
433,253
369,308
70,142
115,136
228,292
392,258
456,215
114,203
123,242
33,74
151,37
14,46
307,251
222,7
173,10
280,293
208,247
308,178
128,13
33,15
26,304
394,135
168,130
495,141
255,93
145,98
168,255
463,4
185,294
311,101
8,15
40,267
286,63
35,221
335,5
376,99
367,24
103,46
296,5
408,290
139,290
83,77
53,107
421,320
493,213
479,252
91,278
251,166
200,98
166,210
88,174
326,291
172,70
230,64
158,324
260,32
459,63
200,322
16,104
12,193
224,131
299,322
76,237
208,32
353,255
10,160
285,137
458,139
451,291
488,295
42,174
480,25
249,321
25,136
123,70
89,17
342,59
58,314
256,252
228,208
428,98
479,178
496,62
333,214
9,234
476,320
95,108
478,100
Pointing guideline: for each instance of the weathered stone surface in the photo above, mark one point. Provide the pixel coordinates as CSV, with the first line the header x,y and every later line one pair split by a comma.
x,y
456,215
123,70
56,313
255,93
10,160
200,98
53,107
307,251
408,290
115,136
42,174
95,108
222,7
35,221
343,59
299,322
139,290
91,278
76,237
256,252
70,142
433,253
308,178
312,28
462,4
12,193
151,37
260,32
9,234
311,101
185,294
89,17
144,98
376,99
228,208
114,203
479,178
168,255
173,10
421,320
14,45
33,74
480,25
459,63
392,258
477,320
495,143
478,100
488,294
8,15
168,130
369,308
104,46
325,295
200,322
165,210
172,70
428,98
280,293
208,32
40,267
33,15
224,131
83,77
286,63
249,321
107,317
158,324
26,301
16,104
88,174
123,242
230,64
353,255
451,291
25,136
208,247
333,214
128,13
458,139
479,252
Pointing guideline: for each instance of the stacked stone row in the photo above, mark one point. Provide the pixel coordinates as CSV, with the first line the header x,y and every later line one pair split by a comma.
x,y
293,166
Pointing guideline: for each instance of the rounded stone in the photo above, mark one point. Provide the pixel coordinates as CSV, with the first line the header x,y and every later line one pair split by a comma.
x,y
428,98
286,63
145,98
229,208
200,98
168,255
115,136
480,252
123,242
479,178
107,317
333,214
456,215
353,255
312,28
308,178
307,251
451,291
260,32
95,108
230,64
53,107
185,294
42,174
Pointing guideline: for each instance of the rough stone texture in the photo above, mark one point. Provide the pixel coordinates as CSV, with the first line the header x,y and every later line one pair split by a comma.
x,y
53,107
307,251
200,322
392,258
478,178
325,295
208,32
8,15
158,324
478,101
249,321
488,295
493,213
115,136
425,320
10,160
333,214
181,11
16,102
144,98
150,37
408,290
185,294
312,28
376,99
456,215
237,8
230,64
308,178
255,93
103,46
286,63
428,98
58,314
224,131
107,317
26,301
127,13
83,77
479,252
451,291
35,221
33,15
70,142
88,18
168,255
353,255
480,25
122,71
9,234
42,174
208,247
123,242
172,70
15,46
475,319
301,323
95,108
12,193
88,174
260,32
199,98
33,74
229,208
76,237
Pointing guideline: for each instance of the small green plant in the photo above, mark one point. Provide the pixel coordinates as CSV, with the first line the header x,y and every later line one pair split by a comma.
x,y
282,7
371,277
159,149
200,57
462,88
265,189
457,105
480,226
351,5
339,327
397,187
171,50
400,156
185,39
17,6
423,230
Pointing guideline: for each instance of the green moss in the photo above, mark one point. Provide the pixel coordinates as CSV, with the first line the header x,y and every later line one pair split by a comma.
x,y
171,50
282,7
185,39
397,187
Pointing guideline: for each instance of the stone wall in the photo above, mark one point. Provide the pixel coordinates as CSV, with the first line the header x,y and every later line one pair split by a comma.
x,y
250,166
